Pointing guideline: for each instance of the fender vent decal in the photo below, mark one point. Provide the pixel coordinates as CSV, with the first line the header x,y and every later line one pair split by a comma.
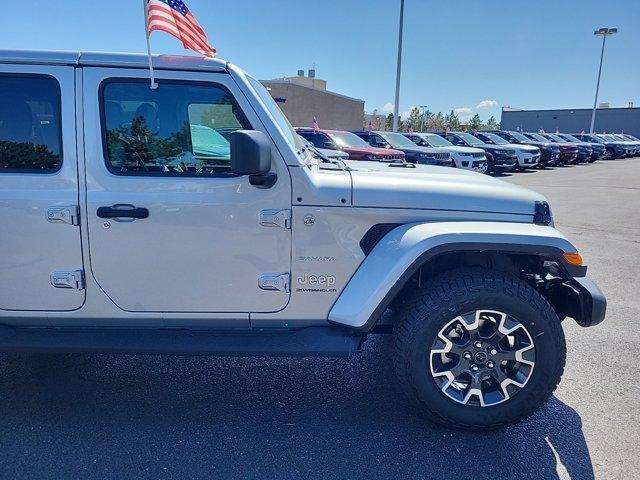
x,y
374,235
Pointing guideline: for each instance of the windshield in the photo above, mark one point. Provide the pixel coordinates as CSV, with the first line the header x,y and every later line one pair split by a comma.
x,y
498,140
347,139
571,138
470,139
436,140
538,137
556,138
292,137
397,140
520,137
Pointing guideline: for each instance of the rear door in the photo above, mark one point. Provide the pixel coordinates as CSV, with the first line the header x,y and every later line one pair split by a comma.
x,y
40,250
187,235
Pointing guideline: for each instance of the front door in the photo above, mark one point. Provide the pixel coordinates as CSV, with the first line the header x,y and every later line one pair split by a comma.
x,y
40,252
171,229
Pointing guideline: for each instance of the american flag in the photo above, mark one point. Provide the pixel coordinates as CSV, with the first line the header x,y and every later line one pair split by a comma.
x,y
174,18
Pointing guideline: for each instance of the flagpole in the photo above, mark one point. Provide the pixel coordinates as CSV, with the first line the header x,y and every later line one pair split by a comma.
x,y
154,85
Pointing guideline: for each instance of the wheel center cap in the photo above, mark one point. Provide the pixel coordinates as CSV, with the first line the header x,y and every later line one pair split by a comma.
x,y
480,357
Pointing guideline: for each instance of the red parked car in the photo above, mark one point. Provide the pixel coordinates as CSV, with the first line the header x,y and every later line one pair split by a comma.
x,y
349,143
568,150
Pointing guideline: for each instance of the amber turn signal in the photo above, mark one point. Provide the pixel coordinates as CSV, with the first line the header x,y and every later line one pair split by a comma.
x,y
573,258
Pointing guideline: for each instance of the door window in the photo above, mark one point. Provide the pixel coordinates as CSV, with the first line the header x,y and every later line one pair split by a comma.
x,y
30,126
180,129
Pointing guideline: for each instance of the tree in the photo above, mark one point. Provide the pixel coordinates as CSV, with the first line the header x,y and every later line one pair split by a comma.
x,y
475,123
452,121
413,122
388,124
492,123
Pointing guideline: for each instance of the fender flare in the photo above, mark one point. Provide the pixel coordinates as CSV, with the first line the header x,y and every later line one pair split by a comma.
x,y
402,251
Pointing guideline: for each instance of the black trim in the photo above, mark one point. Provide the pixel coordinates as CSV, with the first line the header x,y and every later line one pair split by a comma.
x,y
544,251
60,122
263,180
310,341
542,214
123,211
160,82
374,235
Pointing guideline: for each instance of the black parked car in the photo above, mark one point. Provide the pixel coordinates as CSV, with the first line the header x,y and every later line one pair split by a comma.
x,y
597,149
499,158
412,152
549,152
614,148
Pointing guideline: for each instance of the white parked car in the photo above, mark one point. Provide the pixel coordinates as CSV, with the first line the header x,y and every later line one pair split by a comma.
x,y
528,155
467,158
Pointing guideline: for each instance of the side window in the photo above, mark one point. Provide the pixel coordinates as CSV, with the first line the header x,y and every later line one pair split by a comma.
x,y
30,124
370,139
453,139
308,136
323,141
180,129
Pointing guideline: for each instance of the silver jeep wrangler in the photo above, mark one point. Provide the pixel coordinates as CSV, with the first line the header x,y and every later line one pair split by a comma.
x,y
192,219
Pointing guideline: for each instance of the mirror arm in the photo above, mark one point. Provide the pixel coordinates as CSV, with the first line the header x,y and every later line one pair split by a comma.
x,y
263,180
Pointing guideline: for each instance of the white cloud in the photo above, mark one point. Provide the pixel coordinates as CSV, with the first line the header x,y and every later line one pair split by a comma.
x,y
487,104
463,111
387,107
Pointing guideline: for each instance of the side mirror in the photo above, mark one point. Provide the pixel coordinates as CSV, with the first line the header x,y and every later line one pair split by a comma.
x,y
328,145
251,155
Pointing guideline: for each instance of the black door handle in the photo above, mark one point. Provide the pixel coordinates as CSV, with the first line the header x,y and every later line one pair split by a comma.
x,y
123,211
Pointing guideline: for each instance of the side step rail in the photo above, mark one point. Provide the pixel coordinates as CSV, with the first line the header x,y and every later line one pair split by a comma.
x,y
310,341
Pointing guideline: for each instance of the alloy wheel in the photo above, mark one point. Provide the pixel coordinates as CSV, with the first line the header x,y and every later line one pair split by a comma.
x,y
482,358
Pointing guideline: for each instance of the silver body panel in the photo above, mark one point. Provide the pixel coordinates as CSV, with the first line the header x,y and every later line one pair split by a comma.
x,y
397,251
201,257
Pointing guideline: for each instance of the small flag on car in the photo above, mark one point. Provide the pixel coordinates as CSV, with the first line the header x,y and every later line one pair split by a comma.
x,y
173,17
316,127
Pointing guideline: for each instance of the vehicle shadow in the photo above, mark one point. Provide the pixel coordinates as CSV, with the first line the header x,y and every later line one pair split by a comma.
x,y
98,416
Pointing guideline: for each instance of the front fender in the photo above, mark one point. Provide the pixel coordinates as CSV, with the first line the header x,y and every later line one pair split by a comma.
x,y
401,252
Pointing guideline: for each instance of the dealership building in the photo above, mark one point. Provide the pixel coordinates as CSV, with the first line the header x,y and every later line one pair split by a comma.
x,y
575,120
304,97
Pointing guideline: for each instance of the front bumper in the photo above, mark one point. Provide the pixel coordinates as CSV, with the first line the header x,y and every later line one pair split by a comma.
x,y
581,299
505,163
568,157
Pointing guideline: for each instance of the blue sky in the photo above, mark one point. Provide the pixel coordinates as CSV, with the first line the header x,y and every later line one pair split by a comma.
x,y
457,53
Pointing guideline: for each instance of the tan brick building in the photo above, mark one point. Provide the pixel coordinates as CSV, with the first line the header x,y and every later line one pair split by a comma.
x,y
302,98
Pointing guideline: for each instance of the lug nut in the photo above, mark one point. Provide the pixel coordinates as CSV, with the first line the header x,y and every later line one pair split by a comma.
x,y
477,344
493,351
490,364
474,368
467,355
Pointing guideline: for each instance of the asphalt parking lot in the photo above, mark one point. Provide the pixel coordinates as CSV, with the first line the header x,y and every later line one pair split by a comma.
x,y
98,416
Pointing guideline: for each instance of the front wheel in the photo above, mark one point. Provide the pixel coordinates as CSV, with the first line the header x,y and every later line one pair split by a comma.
x,y
478,349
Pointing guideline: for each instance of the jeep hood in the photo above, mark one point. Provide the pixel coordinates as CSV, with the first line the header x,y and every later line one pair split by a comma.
x,y
436,188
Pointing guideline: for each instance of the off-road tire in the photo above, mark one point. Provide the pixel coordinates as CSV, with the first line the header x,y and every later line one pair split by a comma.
x,y
454,293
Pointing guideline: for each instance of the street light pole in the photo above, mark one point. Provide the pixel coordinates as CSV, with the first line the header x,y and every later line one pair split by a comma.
x,y
422,107
601,32
396,106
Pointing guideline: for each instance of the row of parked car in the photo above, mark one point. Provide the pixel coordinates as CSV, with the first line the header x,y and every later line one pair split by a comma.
x,y
485,152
